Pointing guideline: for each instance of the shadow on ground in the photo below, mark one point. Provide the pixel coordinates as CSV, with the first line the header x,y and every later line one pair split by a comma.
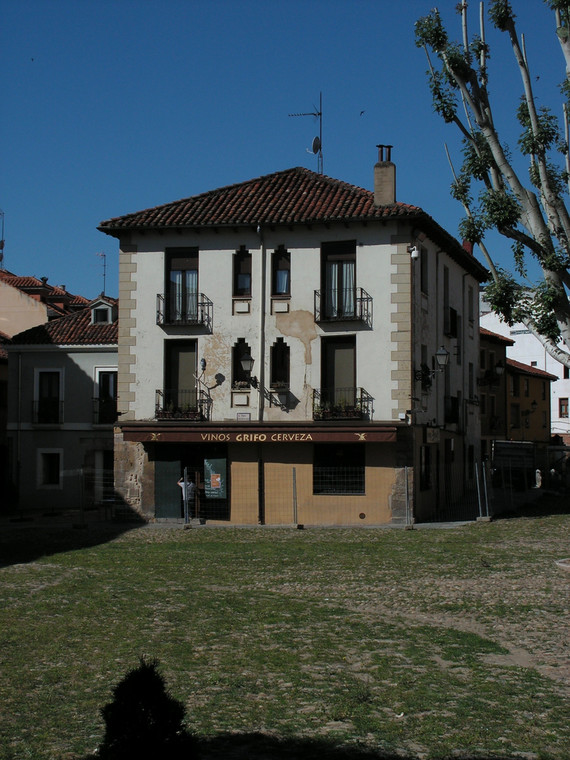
x,y
549,503
257,746
25,538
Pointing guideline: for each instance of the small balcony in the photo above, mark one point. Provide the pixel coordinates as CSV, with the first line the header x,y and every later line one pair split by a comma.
x,y
342,404
182,405
47,411
104,411
195,311
343,305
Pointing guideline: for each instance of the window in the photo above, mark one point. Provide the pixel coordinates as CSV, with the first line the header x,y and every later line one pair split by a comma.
x,y
515,416
182,284
482,358
101,315
543,391
105,396
566,372
338,371
279,357
338,277
338,469
242,272
49,468
281,272
515,385
483,404
470,304
425,468
526,386
179,394
48,407
563,408
471,382
240,378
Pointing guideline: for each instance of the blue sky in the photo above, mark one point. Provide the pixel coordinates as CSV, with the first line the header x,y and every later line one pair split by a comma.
x,y
112,106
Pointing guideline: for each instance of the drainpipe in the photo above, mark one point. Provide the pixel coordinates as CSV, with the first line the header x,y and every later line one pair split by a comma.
x,y
19,429
262,298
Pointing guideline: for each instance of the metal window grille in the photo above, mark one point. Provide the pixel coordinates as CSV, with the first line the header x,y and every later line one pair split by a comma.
x,y
338,480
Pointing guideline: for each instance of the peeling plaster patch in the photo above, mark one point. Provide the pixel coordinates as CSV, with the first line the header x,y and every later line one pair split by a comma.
x,y
301,325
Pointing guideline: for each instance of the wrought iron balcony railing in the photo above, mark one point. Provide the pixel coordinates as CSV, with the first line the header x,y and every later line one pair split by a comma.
x,y
197,311
182,405
346,304
47,411
342,404
104,411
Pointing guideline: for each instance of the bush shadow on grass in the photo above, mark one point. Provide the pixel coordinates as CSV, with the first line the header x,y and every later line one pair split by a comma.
x,y
25,538
145,722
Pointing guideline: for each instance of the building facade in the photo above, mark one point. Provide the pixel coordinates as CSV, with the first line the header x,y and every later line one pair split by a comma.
x,y
528,350
62,401
278,340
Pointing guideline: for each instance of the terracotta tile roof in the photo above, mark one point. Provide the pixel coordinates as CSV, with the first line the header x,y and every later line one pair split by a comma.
x,y
74,329
293,196
55,296
526,369
495,337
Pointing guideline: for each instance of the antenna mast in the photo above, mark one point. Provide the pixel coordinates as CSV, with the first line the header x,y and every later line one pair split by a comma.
x,y
104,257
317,145
2,241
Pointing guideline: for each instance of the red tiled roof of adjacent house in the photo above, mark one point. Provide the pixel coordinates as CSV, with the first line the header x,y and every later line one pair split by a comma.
x,y
52,295
293,196
526,369
495,336
74,329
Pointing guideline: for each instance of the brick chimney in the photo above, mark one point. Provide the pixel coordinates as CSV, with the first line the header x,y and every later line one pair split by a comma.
x,y
384,177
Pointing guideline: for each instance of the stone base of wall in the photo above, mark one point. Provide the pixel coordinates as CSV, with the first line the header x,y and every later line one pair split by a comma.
x,y
130,460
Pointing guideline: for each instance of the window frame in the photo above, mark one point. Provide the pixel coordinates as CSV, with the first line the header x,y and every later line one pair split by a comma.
x,y
336,474
280,262
242,266
41,483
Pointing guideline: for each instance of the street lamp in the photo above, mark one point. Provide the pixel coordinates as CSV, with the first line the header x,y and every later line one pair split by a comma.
x,y
247,361
425,374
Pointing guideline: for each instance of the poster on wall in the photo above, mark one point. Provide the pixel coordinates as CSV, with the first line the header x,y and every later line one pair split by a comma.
x,y
215,478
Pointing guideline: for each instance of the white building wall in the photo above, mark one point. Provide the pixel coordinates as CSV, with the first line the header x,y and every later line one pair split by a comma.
x,y
292,319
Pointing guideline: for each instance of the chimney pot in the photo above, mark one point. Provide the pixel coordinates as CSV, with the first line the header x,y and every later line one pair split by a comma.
x,y
384,177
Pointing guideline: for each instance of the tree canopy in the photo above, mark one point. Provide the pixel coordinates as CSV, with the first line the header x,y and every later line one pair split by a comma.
x,y
531,212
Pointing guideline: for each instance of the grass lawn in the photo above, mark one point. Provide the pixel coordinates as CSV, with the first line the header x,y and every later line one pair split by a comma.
x,y
429,643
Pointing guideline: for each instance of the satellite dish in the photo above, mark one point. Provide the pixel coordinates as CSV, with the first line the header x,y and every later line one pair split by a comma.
x,y
316,146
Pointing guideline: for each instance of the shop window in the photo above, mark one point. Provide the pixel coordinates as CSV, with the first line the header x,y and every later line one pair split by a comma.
x,y
338,469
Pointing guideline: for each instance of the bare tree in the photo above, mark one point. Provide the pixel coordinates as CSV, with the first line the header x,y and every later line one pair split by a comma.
x,y
533,214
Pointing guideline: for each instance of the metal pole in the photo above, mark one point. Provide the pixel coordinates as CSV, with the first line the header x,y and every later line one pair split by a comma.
x,y
485,491
478,489
185,495
295,496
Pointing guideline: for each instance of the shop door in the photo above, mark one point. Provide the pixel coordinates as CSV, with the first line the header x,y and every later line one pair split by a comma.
x,y
167,492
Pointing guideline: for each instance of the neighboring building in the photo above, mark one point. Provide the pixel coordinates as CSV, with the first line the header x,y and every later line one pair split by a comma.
x,y
492,391
24,303
62,407
528,350
528,403
341,298
28,301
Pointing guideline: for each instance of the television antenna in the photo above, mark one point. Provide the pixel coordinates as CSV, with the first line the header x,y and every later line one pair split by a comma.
x,y
2,240
317,144
104,257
